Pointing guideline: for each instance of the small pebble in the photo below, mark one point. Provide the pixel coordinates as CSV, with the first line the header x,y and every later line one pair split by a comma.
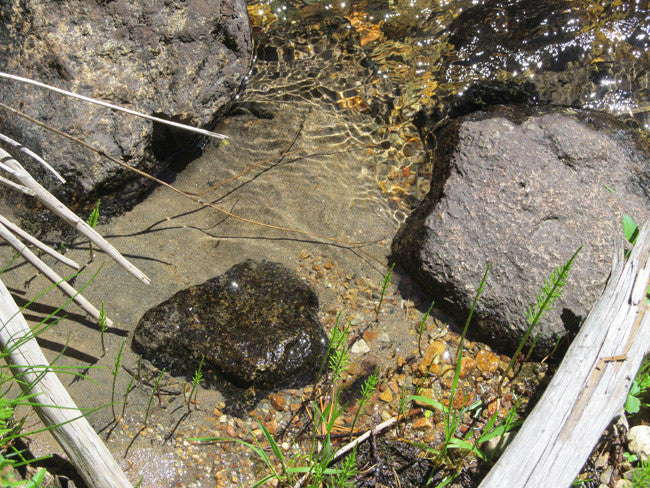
x,y
601,460
278,401
422,423
384,337
427,393
360,347
386,396
638,441
369,335
487,362
606,475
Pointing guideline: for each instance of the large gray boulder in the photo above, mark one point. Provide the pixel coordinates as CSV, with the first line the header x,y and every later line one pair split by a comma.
x,y
523,191
182,60
257,325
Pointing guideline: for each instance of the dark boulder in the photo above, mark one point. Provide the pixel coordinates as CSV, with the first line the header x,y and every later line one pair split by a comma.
x,y
180,60
522,189
256,325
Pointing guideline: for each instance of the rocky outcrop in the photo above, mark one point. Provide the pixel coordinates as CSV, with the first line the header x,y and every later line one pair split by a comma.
x,y
179,60
256,325
522,189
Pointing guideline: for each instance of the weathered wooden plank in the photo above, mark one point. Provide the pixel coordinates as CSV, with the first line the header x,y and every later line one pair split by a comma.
x,y
590,386
57,409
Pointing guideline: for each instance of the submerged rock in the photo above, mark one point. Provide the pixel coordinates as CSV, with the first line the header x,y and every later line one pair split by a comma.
x,y
178,60
522,189
256,325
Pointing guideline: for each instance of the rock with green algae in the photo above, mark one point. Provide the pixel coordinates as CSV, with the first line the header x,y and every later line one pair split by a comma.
x,y
256,325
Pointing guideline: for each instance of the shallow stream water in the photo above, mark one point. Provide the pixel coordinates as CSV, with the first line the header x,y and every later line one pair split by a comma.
x,y
326,154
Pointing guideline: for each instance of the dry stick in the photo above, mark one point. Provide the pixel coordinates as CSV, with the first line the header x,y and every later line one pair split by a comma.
x,y
50,274
112,106
351,445
43,247
15,186
591,385
52,402
32,154
187,195
69,216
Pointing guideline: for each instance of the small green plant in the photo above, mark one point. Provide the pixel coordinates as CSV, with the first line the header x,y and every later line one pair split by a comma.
x,y
92,222
639,390
102,325
641,475
548,294
10,429
198,377
130,387
154,391
631,231
422,326
312,470
116,370
384,286
347,472
338,355
367,391
451,415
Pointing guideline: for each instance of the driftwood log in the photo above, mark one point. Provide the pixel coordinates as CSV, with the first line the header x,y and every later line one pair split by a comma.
x,y
590,386
55,407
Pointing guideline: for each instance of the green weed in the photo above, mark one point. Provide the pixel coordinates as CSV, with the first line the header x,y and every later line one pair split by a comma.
x,y
640,389
384,286
451,415
154,391
548,294
631,231
422,326
313,470
198,377
130,386
92,222
10,429
367,391
641,475
102,325
116,370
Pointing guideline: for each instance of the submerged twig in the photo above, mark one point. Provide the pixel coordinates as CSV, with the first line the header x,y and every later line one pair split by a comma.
x,y
43,247
187,195
68,215
49,273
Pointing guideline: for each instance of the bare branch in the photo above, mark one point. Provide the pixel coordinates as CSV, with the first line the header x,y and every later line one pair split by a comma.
x,y
51,275
43,247
32,154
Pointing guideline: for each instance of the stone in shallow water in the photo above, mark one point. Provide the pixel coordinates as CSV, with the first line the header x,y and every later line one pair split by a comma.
x,y
256,324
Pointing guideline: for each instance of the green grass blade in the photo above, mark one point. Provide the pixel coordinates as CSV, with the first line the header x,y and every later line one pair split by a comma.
x,y
429,401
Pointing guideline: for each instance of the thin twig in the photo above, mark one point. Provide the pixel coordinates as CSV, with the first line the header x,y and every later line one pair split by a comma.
x,y
43,247
187,195
351,445
15,186
32,154
19,246
69,216
112,106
